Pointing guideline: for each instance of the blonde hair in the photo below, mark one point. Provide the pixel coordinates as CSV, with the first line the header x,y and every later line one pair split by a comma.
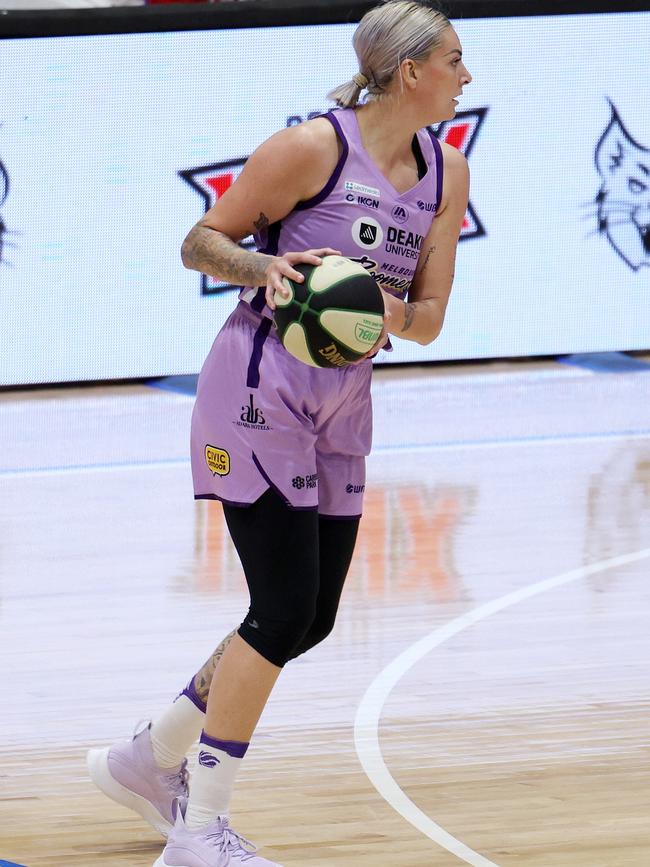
x,y
387,35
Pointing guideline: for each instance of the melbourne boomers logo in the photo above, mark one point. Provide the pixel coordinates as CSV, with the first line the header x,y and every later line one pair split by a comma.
x,y
623,200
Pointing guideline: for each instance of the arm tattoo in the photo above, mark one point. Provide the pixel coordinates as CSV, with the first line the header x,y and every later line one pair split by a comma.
x,y
409,313
214,253
261,223
203,678
422,265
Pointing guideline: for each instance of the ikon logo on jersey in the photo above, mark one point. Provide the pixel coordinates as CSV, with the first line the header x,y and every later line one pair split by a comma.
x,y
365,201
367,233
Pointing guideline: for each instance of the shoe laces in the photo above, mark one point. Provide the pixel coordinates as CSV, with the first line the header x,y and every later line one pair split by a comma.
x,y
228,840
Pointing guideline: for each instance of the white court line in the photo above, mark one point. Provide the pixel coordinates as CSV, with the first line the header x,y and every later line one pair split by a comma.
x,y
366,725
407,448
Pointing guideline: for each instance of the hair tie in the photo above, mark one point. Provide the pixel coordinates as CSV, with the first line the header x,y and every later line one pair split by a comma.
x,y
360,80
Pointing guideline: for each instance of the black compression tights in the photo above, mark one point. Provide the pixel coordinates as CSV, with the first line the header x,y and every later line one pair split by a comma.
x,y
295,564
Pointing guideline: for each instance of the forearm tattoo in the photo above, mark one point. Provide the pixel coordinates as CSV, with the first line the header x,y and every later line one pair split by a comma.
x,y
409,313
203,678
214,253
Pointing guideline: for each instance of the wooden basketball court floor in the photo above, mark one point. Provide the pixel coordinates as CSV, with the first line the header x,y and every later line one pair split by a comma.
x,y
485,696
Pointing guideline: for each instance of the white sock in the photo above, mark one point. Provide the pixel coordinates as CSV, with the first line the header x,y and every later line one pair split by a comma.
x,y
213,780
175,732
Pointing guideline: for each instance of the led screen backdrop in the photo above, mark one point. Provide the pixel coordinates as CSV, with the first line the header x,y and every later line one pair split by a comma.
x,y
113,146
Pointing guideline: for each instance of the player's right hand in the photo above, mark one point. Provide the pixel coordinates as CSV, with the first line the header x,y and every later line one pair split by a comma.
x,y
282,266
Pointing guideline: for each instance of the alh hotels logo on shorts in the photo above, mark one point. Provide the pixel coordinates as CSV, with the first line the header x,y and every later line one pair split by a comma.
x,y
211,181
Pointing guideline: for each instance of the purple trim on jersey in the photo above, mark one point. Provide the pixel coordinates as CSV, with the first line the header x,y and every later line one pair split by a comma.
x,y
336,174
439,167
259,301
277,490
253,375
236,749
192,694
272,239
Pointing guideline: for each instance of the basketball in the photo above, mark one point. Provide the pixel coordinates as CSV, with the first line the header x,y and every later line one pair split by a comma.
x,y
334,317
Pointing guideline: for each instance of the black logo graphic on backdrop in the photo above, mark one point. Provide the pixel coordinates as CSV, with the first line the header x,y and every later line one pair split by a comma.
x,y
461,132
211,182
4,231
623,200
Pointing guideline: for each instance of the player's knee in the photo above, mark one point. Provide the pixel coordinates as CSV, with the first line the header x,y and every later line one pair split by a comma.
x,y
317,632
276,638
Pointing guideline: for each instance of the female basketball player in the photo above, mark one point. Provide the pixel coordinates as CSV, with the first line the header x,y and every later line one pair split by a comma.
x,y
281,444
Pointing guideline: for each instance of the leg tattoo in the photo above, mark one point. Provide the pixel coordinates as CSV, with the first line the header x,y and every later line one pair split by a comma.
x,y
203,678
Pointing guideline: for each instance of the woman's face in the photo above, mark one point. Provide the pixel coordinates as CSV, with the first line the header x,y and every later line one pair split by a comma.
x,y
441,78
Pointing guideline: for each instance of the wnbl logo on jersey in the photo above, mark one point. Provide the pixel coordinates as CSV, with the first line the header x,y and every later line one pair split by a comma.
x,y
623,200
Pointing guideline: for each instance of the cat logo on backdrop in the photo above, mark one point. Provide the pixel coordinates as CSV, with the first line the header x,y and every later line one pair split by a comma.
x,y
252,417
211,182
218,460
623,200
4,192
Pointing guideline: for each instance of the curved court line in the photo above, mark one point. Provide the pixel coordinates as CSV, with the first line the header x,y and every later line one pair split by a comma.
x,y
366,725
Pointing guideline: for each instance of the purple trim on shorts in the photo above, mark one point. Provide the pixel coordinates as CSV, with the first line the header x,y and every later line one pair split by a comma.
x,y
278,491
253,375
236,749
259,301
233,503
439,168
336,174
192,694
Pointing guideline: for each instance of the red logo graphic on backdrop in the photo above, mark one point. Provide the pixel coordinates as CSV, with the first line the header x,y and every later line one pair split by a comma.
x,y
461,133
211,182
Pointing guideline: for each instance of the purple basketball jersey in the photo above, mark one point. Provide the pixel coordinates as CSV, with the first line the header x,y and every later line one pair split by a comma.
x,y
264,419
361,214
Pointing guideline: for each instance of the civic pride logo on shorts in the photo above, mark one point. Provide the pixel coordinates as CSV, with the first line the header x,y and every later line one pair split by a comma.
x,y
218,460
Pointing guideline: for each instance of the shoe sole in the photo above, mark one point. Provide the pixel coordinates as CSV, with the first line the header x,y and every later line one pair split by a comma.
x,y
101,776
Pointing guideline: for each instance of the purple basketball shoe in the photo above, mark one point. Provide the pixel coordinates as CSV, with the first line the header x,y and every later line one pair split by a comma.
x,y
216,845
127,772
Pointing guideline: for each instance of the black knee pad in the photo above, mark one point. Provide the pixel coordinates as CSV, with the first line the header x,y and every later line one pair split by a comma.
x,y
276,638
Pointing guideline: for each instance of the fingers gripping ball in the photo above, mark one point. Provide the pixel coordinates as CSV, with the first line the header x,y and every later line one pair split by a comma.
x,y
334,317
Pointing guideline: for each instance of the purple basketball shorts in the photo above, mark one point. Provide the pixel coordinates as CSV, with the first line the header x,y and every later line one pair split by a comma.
x,y
264,419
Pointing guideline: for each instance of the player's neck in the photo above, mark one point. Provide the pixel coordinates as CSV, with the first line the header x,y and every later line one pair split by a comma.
x,y
387,132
